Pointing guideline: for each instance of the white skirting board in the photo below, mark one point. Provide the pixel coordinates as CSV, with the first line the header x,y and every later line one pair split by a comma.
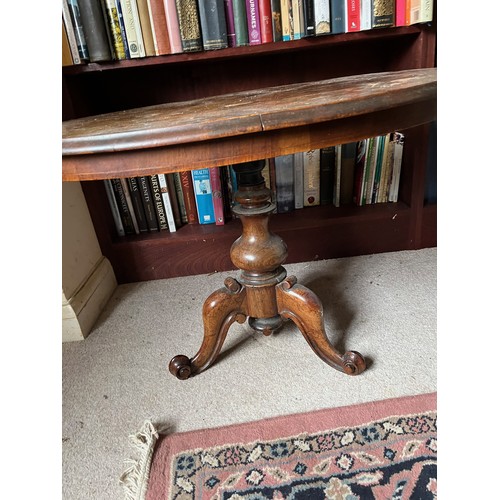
x,y
80,312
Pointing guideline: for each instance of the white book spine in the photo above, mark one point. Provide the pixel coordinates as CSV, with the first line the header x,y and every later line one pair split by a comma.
x,y
366,15
130,29
162,180
396,169
311,177
70,33
322,17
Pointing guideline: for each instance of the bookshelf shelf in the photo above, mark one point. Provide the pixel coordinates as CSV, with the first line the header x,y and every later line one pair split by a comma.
x,y
310,233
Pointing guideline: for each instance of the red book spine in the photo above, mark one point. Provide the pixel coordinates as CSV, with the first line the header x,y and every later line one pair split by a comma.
x,y
266,25
189,199
353,16
217,201
400,13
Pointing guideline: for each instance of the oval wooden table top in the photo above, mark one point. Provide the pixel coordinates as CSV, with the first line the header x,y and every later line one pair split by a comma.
x,y
248,125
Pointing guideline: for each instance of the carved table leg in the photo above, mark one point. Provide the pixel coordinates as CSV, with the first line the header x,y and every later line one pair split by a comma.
x,y
302,306
221,309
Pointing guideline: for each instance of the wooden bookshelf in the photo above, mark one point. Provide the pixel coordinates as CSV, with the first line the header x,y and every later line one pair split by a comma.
x,y
310,233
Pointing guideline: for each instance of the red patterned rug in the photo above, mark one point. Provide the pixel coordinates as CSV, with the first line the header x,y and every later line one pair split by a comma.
x,y
380,450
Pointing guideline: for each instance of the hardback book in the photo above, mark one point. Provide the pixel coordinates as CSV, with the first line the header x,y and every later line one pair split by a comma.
x,y
286,20
113,19
132,28
359,171
189,25
158,201
174,201
298,180
365,16
371,170
218,203
309,18
147,32
213,24
123,206
121,20
400,12
203,196
322,17
352,11
326,175
298,19
398,139
67,58
76,22
148,203
70,34
415,12
266,25
174,33
337,14
189,199
348,160
159,28
230,27
240,22
311,178
426,10
382,195
276,20
135,195
366,171
337,175
167,202
380,164
253,22
114,207
284,183
94,28
130,205
180,197
383,13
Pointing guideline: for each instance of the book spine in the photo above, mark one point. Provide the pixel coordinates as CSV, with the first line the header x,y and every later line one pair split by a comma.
x,y
180,197
348,160
370,151
365,17
311,177
298,19
337,174
189,199
114,207
276,20
227,196
378,169
95,31
138,28
188,18
396,166
122,28
158,201
130,205
76,21
174,202
213,24
359,169
133,43
284,183
266,25
217,201
326,175
240,22
135,195
298,180
426,8
159,28
67,58
174,33
309,18
373,168
113,20
167,202
70,33
147,32
352,15
203,196
322,17
147,201
386,169
415,12
337,13
286,23
253,22
123,206
230,26
400,7
382,14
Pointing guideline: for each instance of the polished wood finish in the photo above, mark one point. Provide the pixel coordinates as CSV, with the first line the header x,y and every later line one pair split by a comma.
x,y
263,293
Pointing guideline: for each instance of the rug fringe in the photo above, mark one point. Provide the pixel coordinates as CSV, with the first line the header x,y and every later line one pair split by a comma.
x,y
135,478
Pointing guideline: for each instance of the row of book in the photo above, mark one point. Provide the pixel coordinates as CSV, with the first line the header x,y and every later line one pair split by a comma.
x,y
361,173
105,30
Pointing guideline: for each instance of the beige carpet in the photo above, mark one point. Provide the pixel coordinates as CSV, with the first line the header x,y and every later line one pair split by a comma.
x,y
383,306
